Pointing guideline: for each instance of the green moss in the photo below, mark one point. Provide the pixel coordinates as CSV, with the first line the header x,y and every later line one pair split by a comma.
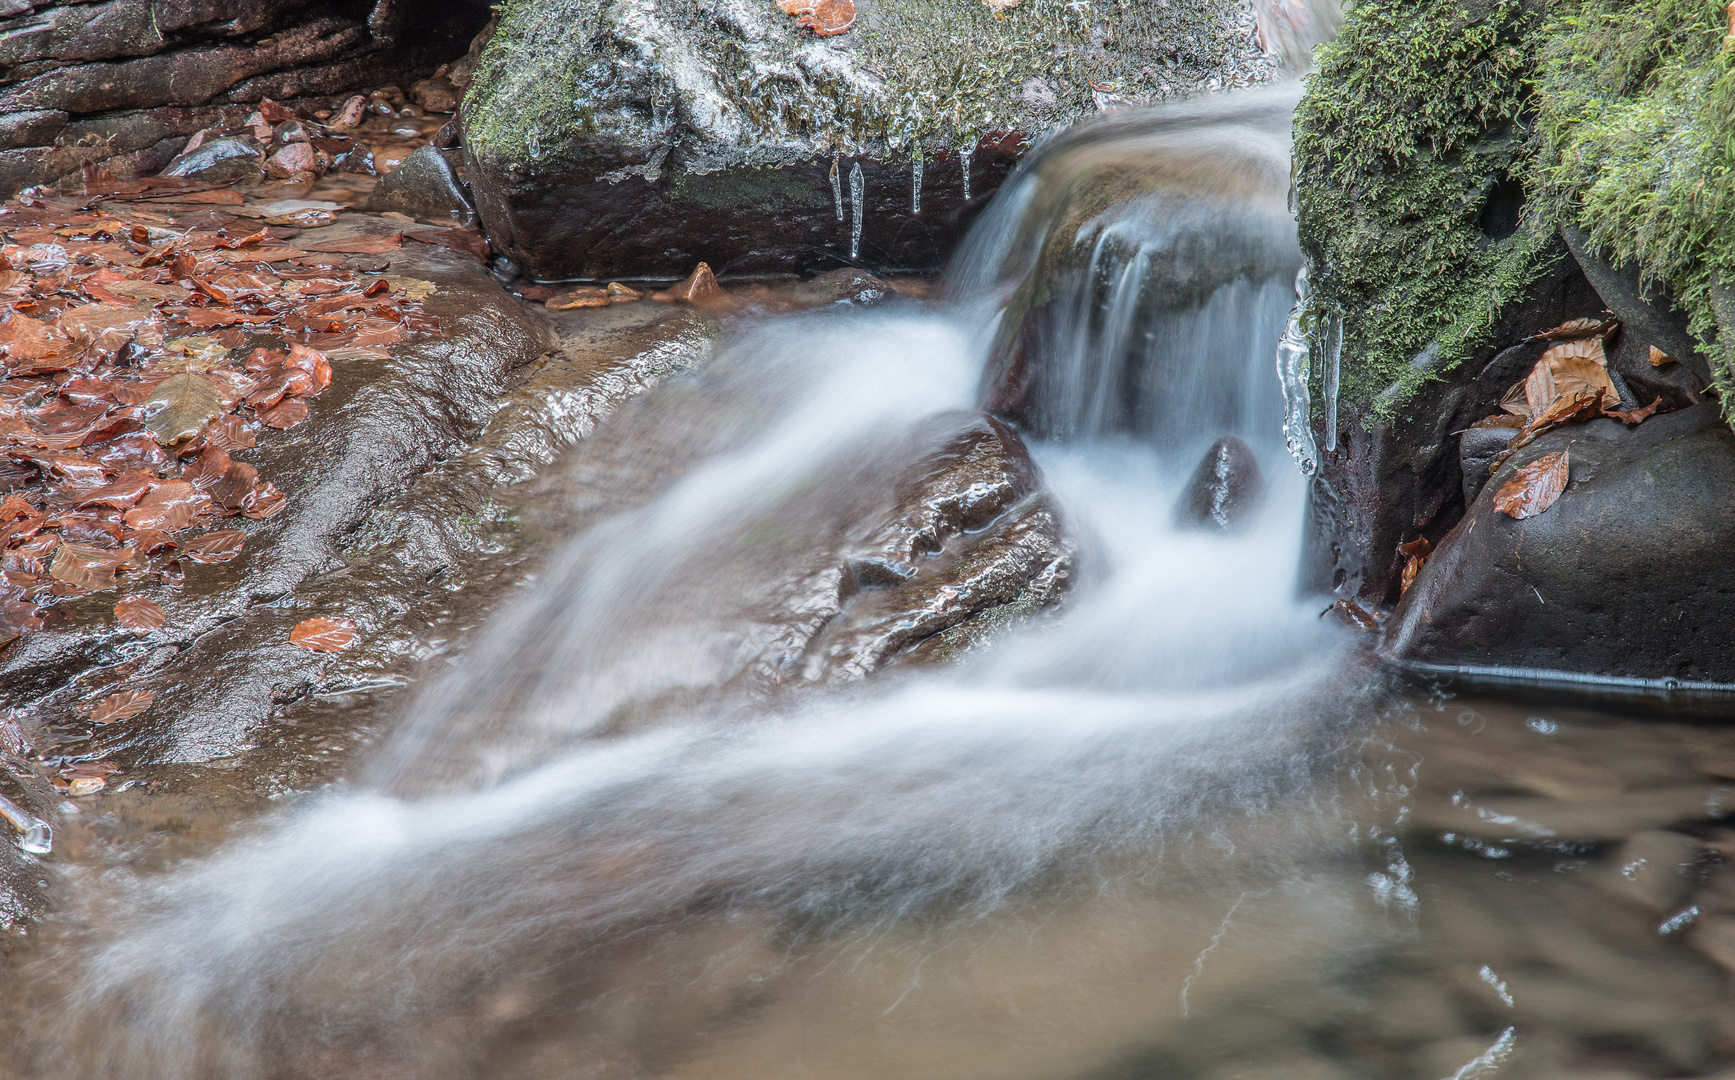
x,y
1415,113
1636,133
559,76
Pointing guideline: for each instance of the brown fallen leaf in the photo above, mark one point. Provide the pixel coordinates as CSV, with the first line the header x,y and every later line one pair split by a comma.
x,y
87,568
1659,357
578,298
181,406
323,634
139,613
264,501
1415,555
122,706
469,241
16,618
214,547
121,492
168,506
80,786
285,414
824,17
359,245
1565,370
1355,614
1581,328
1636,416
1534,488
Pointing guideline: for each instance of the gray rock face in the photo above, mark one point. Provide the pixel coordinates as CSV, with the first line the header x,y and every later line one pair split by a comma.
x,y
423,187
1225,490
618,137
1627,575
219,161
136,68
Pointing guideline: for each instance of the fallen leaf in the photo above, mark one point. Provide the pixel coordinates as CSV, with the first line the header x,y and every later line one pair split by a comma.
x,y
285,414
323,635
1636,416
1581,328
121,492
1357,615
90,569
579,298
264,501
824,17
17,618
80,786
1500,420
1566,369
168,506
181,406
359,245
1415,555
469,241
122,706
139,613
147,290
1534,488
409,288
1659,357
214,547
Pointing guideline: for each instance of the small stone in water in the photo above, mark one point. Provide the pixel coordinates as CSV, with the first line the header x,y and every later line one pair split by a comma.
x,y
579,298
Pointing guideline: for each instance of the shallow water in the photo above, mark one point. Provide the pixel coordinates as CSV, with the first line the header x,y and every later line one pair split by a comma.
x,y
1179,828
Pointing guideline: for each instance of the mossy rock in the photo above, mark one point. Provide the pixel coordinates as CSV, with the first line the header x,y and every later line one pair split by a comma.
x,y
606,140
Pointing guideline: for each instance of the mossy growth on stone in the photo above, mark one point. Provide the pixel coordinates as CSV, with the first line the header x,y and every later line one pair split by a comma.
x,y
1636,135
1411,148
699,85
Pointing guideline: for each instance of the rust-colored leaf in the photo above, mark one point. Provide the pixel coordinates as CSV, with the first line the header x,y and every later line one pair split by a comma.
x,y
1659,357
1581,328
469,241
1636,416
17,618
168,506
323,635
214,547
139,613
264,501
1356,615
285,414
824,17
1567,369
87,568
122,706
80,786
359,245
121,492
1415,555
1534,488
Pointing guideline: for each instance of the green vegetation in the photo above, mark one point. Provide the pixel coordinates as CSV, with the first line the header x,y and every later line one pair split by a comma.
x,y
1416,113
1617,116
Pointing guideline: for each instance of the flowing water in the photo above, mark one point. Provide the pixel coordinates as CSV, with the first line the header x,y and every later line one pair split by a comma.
x,y
1178,829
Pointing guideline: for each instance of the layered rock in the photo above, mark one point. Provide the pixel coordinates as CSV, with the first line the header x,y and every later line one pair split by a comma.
x,y
619,138
121,85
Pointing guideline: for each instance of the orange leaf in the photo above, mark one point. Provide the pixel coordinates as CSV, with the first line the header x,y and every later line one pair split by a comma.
x,y
360,245
1534,488
323,635
285,414
1636,416
214,547
122,706
138,613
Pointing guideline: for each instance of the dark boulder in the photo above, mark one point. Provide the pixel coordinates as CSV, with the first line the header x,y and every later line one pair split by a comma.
x,y
424,187
1225,490
1628,575
220,161
600,144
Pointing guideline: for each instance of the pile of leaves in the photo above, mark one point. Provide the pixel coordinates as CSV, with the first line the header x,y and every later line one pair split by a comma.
x,y
137,362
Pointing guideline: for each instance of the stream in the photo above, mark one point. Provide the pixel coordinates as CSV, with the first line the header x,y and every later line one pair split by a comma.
x,y
1177,826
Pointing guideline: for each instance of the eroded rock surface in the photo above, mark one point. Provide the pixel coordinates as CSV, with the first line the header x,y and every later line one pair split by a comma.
x,y
1627,575
424,187
1225,489
604,140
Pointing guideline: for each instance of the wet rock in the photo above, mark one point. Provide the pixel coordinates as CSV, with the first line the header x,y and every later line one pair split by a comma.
x,y
228,666
1225,490
596,181
220,161
1392,478
1646,312
31,127
1101,334
845,286
297,157
1626,576
436,95
1478,450
423,187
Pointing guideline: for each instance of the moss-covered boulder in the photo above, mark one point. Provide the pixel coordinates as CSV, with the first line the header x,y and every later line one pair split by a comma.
x,y
613,138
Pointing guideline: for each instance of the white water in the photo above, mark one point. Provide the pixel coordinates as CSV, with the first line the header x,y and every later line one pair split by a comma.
x,y
1164,735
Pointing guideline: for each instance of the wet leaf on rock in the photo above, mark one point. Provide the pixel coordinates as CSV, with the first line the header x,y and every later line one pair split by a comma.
x,y
359,245
87,568
17,617
181,406
285,414
168,506
1636,416
1658,356
140,613
323,634
1415,555
214,547
573,299
1534,488
122,706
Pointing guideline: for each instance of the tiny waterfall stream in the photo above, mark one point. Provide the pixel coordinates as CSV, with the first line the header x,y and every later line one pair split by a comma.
x,y
1150,835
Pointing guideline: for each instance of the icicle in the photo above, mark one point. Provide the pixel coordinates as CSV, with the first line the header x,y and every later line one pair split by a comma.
x,y
1292,372
836,189
856,185
1333,367
966,159
916,184
35,836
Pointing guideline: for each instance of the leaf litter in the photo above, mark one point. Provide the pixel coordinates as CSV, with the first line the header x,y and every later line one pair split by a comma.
x,y
1534,488
135,359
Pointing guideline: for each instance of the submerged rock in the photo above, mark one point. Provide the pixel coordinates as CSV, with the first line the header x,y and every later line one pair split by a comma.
x,y
1627,575
1226,488
220,161
600,145
845,286
424,187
